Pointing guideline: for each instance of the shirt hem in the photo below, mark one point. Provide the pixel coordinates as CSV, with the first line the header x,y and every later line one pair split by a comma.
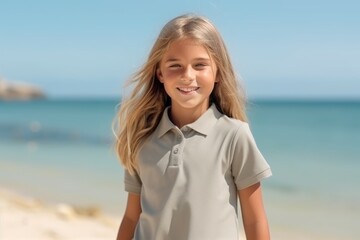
x,y
251,181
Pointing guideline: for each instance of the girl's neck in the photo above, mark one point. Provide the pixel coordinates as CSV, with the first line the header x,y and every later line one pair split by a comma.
x,y
184,116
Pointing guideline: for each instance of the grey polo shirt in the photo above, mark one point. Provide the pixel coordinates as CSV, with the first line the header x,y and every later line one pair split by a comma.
x,y
188,178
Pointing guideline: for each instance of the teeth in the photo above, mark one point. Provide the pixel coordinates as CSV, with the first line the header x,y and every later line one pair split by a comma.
x,y
188,89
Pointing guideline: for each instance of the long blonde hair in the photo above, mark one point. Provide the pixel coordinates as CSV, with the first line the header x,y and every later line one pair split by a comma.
x,y
141,112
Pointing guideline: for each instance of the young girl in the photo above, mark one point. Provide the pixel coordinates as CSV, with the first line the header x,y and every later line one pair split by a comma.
x,y
185,144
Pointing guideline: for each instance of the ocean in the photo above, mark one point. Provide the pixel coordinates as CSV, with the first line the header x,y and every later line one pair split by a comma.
x,y
62,151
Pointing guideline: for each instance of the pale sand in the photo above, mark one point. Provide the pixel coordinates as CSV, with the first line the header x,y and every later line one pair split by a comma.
x,y
26,218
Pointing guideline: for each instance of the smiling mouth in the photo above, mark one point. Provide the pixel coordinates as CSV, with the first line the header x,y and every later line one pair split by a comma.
x,y
187,89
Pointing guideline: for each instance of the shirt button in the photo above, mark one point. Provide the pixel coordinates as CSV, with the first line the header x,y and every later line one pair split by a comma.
x,y
176,151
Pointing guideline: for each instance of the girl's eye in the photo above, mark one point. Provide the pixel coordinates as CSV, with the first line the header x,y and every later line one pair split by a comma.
x,y
200,65
174,66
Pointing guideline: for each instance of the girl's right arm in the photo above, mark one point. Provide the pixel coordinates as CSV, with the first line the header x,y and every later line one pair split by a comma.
x,y
131,217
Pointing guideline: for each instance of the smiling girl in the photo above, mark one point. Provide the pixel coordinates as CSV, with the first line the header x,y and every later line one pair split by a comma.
x,y
185,143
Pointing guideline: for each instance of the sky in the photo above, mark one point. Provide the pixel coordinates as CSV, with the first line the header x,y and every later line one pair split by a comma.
x,y
308,49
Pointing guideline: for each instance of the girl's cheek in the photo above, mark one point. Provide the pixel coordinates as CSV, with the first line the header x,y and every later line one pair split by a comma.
x,y
207,74
171,74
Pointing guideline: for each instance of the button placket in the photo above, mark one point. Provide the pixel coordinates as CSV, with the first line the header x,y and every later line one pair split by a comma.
x,y
175,154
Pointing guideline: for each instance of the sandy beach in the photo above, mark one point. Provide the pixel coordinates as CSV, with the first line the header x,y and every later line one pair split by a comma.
x,y
22,217
26,218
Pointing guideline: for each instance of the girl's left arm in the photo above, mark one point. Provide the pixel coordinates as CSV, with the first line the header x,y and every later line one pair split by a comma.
x,y
253,213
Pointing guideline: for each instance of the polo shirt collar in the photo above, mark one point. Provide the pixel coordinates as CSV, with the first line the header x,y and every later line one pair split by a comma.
x,y
202,125
165,124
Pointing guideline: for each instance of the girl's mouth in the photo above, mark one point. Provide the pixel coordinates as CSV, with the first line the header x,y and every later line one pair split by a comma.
x,y
187,89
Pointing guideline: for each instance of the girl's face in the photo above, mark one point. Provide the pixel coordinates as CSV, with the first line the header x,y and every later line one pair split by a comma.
x,y
188,74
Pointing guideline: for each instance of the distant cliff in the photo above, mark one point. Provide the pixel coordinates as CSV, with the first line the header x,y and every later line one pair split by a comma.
x,y
19,91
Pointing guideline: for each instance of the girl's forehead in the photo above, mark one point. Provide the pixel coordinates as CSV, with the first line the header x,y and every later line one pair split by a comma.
x,y
183,44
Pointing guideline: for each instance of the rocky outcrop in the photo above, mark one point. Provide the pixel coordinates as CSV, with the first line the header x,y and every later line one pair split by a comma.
x,y
19,91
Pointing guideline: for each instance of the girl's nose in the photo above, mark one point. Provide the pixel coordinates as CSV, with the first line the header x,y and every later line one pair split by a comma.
x,y
189,74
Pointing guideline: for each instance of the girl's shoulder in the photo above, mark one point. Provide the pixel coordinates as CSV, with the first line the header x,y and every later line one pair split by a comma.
x,y
230,128
232,124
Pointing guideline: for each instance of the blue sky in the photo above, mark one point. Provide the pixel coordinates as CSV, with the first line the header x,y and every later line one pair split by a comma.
x,y
281,49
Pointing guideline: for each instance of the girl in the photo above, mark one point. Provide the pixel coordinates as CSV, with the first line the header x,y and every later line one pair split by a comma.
x,y
185,144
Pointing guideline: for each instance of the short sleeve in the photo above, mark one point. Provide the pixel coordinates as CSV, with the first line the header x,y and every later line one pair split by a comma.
x,y
248,164
132,182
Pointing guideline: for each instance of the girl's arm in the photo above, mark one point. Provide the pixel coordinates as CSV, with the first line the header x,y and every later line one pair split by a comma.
x,y
131,217
253,213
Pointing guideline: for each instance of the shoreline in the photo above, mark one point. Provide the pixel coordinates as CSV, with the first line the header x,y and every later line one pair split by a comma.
x,y
24,217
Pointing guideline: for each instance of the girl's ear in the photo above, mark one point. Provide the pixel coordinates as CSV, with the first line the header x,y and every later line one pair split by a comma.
x,y
159,75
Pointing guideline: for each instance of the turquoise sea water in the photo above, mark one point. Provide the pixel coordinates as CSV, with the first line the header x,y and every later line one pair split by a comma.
x,y
61,151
